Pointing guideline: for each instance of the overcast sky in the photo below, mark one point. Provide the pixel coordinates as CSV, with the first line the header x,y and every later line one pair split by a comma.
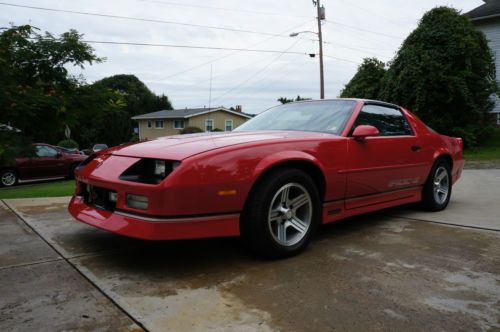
x,y
352,30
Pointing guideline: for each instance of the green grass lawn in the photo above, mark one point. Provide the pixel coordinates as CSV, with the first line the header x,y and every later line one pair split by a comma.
x,y
490,150
483,153
52,189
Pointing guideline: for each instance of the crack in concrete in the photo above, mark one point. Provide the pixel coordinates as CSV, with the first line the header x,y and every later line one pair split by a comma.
x,y
68,261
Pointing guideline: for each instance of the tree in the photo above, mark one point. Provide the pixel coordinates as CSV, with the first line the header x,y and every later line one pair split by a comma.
x,y
445,73
137,96
35,87
100,116
367,80
285,100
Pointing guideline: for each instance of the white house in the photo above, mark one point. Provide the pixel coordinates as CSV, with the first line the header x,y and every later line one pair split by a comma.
x,y
487,19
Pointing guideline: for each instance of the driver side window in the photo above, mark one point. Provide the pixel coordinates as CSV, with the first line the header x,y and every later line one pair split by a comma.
x,y
45,151
389,121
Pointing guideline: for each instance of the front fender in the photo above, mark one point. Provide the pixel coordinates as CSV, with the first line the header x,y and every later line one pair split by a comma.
x,y
282,157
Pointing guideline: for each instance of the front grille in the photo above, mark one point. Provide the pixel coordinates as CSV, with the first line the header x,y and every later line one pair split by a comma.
x,y
97,196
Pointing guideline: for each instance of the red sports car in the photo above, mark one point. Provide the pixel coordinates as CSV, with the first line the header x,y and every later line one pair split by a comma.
x,y
274,179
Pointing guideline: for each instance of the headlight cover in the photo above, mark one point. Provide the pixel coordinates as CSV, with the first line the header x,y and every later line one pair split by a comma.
x,y
150,171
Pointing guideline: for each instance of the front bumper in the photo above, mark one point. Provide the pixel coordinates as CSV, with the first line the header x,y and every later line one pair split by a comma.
x,y
154,228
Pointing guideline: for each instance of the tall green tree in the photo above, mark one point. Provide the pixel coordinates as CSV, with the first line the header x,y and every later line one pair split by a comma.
x,y
137,96
100,116
367,81
445,73
35,86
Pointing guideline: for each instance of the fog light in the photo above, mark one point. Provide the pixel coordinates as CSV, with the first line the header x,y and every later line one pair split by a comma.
x,y
160,168
113,196
137,202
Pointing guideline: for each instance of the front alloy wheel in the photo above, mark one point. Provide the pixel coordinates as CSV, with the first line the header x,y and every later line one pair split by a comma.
x,y
290,214
281,213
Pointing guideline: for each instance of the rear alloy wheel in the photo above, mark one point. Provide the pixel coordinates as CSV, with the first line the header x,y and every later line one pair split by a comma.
x,y
437,190
281,214
8,178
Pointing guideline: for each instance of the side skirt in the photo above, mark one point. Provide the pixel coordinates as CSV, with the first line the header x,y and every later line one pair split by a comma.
x,y
340,209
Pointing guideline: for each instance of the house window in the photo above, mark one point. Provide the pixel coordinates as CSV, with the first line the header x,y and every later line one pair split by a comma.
x,y
178,124
209,125
158,124
150,124
229,125
498,119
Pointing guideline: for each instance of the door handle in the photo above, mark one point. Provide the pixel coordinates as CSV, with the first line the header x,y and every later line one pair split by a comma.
x,y
415,148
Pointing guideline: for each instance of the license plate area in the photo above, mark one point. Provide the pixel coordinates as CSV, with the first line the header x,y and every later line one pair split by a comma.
x,y
98,196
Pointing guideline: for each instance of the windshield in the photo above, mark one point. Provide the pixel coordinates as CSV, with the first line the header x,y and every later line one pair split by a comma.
x,y
100,146
322,116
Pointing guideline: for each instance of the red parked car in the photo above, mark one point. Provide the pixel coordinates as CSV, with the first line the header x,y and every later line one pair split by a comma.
x,y
274,179
49,162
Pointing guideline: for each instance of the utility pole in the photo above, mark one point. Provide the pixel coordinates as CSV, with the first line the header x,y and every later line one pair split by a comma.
x,y
321,16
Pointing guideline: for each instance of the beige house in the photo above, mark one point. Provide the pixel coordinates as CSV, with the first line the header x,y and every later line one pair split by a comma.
x,y
171,122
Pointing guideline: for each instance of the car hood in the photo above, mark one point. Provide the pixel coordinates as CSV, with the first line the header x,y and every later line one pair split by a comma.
x,y
180,147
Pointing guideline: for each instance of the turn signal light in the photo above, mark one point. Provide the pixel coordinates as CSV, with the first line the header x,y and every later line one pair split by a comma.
x,y
137,202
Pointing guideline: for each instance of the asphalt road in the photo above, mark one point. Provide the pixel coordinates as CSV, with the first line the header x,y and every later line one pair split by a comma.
x,y
400,269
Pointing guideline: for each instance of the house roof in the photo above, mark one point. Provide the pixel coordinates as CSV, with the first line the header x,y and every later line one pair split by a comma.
x,y
186,113
490,9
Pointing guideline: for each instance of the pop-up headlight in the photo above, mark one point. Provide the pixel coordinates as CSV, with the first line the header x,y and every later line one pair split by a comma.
x,y
151,171
160,168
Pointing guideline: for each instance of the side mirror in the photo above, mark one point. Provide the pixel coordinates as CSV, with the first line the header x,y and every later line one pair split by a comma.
x,y
59,155
364,131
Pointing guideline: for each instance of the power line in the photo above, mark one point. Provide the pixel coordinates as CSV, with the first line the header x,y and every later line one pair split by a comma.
x,y
170,3
363,30
364,51
212,48
191,47
228,55
259,71
350,3
340,59
141,19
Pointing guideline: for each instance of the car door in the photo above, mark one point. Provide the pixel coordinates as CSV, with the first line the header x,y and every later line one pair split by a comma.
x,y
381,166
48,162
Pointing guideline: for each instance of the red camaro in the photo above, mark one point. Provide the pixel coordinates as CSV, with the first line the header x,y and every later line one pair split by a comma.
x,y
274,179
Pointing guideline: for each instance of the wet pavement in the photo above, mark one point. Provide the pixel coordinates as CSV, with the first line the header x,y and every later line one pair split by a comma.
x,y
400,269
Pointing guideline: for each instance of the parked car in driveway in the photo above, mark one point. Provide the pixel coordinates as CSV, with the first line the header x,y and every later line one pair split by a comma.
x,y
49,162
69,150
274,179
99,147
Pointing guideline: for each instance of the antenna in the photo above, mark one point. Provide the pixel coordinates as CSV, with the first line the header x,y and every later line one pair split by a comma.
x,y
210,92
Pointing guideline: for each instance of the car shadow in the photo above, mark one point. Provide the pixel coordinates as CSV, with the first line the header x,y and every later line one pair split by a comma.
x,y
185,259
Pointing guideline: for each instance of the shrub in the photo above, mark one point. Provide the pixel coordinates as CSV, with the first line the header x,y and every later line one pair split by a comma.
x,y
191,130
68,144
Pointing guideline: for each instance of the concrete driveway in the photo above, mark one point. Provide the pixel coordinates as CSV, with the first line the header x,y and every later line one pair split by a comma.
x,y
400,269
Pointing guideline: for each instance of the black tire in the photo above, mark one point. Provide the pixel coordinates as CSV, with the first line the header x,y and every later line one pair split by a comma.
x,y
256,229
71,173
430,201
8,178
